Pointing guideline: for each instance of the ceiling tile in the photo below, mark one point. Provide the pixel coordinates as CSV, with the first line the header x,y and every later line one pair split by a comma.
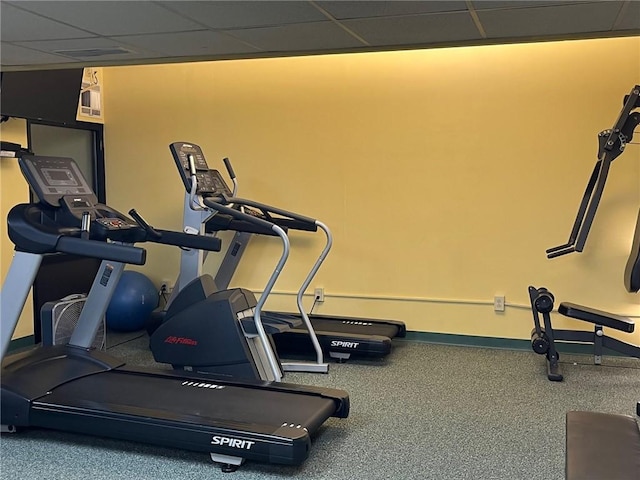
x,y
16,25
631,19
91,43
113,17
364,9
557,20
190,44
415,30
502,4
241,14
16,55
320,36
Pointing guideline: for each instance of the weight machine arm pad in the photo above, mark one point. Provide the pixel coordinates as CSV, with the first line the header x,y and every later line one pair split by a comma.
x,y
597,317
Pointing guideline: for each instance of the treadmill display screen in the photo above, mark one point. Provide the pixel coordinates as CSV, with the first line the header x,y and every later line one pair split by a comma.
x,y
59,176
54,177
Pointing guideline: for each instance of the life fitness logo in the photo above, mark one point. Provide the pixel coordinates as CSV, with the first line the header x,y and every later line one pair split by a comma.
x,y
173,340
232,442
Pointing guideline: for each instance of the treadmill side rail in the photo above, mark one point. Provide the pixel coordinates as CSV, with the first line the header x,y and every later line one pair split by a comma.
x,y
283,445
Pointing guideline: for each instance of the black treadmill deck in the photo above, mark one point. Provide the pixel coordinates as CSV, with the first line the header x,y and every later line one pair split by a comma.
x,y
267,422
344,336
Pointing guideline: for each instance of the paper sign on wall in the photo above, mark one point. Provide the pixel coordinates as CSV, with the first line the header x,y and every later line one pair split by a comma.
x,y
90,104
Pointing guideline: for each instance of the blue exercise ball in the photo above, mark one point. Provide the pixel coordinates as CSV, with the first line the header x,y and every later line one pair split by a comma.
x,y
133,301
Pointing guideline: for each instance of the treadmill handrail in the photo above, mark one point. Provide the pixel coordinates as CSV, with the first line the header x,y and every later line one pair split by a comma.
x,y
221,204
188,240
32,236
267,210
176,239
115,252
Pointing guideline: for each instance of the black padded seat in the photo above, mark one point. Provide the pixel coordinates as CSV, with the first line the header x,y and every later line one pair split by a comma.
x,y
598,317
632,269
602,446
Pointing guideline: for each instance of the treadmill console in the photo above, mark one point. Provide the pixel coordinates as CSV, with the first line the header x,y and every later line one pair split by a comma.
x,y
59,183
210,182
52,178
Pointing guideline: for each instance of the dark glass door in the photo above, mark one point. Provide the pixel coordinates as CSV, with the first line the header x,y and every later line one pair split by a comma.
x,y
61,275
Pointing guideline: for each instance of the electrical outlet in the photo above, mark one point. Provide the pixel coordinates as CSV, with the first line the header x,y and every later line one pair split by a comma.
x,y
498,303
318,294
166,287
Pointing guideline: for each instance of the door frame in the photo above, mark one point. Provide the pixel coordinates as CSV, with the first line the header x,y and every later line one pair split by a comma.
x,y
98,180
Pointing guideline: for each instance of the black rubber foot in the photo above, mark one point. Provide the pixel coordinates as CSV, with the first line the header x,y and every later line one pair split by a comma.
x,y
553,372
228,468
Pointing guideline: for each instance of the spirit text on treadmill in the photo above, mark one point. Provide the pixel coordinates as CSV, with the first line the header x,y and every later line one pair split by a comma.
x,y
339,343
232,442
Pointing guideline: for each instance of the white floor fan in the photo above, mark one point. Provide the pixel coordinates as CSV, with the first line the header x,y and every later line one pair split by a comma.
x,y
60,317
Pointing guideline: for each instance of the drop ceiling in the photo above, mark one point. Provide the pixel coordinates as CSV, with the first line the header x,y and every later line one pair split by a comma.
x,y
61,34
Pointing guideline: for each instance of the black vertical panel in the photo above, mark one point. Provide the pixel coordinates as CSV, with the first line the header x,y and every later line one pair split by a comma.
x,y
60,274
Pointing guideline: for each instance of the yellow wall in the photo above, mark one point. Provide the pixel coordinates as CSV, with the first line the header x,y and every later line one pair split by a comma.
x,y
13,190
444,174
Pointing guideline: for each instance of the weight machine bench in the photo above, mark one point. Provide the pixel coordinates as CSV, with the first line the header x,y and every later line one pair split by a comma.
x,y
544,336
602,446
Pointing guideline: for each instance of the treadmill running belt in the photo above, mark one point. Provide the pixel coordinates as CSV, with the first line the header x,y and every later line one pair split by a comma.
x,y
192,402
379,329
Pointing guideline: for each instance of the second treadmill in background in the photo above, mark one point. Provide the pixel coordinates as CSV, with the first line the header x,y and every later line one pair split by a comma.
x,y
340,337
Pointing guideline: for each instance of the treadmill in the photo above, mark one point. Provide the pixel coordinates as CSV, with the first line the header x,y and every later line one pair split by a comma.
x,y
75,388
338,336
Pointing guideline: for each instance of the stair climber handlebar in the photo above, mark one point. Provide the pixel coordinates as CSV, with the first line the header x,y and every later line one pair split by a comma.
x,y
221,207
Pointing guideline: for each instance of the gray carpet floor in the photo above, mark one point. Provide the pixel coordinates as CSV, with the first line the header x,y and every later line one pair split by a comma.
x,y
427,411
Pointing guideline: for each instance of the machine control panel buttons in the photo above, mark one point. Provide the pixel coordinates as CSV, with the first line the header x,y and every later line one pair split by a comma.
x,y
212,183
113,223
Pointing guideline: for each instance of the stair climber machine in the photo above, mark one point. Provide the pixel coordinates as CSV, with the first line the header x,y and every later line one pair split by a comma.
x,y
339,337
186,334
75,388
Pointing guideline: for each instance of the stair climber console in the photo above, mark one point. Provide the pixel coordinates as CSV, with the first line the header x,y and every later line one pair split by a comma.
x,y
208,198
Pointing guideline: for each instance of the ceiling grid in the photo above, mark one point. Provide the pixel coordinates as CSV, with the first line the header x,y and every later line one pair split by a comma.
x,y
64,34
